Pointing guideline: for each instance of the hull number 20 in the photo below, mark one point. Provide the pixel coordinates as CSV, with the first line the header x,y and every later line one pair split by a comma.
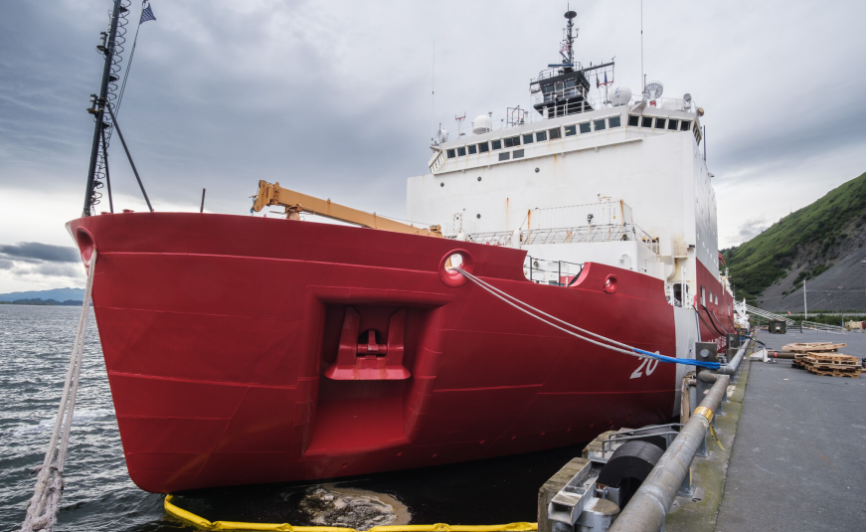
x,y
647,366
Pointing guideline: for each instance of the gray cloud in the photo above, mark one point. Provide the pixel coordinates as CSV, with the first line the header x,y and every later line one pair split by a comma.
x,y
35,251
752,227
334,98
59,270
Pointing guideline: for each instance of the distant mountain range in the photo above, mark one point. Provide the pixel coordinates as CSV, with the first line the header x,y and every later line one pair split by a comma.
x,y
821,246
59,295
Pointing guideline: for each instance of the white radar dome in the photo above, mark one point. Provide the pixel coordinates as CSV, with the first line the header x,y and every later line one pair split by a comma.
x,y
482,124
621,96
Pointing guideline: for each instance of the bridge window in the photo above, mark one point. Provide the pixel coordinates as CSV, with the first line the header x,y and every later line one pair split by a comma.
x,y
684,125
473,149
518,154
504,156
555,133
541,135
452,154
461,151
570,130
599,124
633,120
673,124
497,144
585,127
483,147
646,121
614,121
510,142
527,138
660,123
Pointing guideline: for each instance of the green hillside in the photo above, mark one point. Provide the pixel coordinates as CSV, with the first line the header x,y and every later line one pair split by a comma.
x,y
806,236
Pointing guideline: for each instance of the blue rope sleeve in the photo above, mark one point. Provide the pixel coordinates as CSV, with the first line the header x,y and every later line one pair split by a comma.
x,y
686,361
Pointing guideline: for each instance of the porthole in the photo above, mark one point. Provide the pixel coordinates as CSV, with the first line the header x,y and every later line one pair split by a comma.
x,y
442,184
478,216
537,170
479,178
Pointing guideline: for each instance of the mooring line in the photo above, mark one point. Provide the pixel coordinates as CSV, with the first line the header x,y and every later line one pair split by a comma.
x,y
616,346
43,506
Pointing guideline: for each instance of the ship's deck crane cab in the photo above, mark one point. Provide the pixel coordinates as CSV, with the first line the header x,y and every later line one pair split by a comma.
x,y
295,203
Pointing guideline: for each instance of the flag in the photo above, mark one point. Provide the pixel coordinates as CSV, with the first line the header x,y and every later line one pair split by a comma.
x,y
146,13
605,78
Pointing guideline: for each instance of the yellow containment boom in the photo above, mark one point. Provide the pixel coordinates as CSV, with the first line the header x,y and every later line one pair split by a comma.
x,y
296,203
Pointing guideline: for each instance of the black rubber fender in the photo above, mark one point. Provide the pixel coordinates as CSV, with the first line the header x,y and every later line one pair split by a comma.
x,y
629,466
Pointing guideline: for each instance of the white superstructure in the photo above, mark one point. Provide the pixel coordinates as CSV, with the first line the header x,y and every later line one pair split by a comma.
x,y
620,181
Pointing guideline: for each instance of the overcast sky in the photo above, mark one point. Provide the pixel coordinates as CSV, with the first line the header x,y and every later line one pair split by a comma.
x,y
334,99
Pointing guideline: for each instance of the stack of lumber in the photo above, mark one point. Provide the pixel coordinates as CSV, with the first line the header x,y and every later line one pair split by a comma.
x,y
821,358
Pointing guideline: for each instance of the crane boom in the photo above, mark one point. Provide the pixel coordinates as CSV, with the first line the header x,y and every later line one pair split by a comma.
x,y
296,203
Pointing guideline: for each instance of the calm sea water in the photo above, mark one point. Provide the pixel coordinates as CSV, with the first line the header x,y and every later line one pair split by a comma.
x,y
35,344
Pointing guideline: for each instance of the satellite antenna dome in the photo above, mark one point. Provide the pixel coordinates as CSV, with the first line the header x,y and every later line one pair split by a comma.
x,y
621,96
654,90
441,136
482,124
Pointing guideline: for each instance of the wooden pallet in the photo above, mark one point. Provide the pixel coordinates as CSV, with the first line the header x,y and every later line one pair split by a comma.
x,y
799,361
814,347
831,361
853,373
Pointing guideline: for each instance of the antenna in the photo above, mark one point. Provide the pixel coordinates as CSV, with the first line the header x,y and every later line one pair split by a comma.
x,y
460,120
569,37
433,90
642,75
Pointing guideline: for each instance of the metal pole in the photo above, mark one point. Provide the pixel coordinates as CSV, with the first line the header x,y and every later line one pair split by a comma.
x,y
99,108
647,509
107,177
202,200
805,302
128,156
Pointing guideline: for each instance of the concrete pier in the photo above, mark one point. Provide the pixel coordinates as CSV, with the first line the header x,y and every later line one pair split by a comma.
x,y
788,453
799,457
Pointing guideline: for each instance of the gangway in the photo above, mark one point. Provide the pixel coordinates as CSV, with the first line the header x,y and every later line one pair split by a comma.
x,y
767,315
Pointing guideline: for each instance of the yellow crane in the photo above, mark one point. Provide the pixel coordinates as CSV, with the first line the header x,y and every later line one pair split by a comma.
x,y
295,203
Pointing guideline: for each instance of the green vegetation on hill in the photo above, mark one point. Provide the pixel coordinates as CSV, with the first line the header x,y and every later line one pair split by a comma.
x,y
768,257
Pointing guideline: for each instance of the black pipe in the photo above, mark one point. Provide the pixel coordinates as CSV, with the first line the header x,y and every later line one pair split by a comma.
x,y
712,315
128,156
99,108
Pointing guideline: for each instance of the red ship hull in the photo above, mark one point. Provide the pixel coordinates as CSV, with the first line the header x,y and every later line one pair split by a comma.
x,y
230,352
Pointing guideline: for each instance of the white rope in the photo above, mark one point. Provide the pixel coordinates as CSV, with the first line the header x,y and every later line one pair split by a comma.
x,y
514,302
43,506
622,348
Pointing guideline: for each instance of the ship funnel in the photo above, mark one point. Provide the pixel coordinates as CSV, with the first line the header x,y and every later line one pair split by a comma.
x,y
482,124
